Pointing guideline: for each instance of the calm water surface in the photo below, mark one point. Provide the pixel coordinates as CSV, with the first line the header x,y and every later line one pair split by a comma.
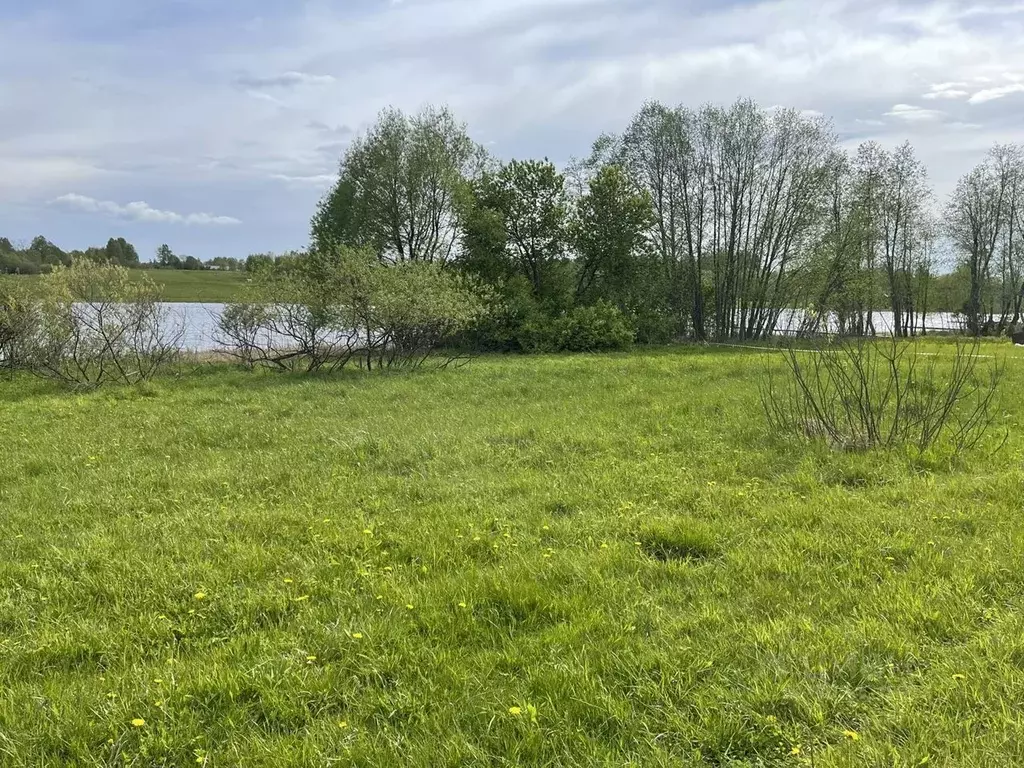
x,y
199,322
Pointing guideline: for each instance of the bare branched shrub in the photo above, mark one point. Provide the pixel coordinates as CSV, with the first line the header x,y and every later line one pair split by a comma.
x,y
283,325
93,324
239,333
324,311
859,394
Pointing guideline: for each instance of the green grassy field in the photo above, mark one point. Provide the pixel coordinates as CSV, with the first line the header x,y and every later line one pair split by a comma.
x,y
180,285
560,561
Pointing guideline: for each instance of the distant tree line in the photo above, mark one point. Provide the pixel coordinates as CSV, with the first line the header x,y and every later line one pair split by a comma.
x,y
167,259
705,223
41,256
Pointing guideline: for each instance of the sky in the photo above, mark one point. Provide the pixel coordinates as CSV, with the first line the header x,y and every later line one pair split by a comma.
x,y
216,126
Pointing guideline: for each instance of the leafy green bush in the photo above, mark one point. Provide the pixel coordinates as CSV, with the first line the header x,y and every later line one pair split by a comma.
x,y
417,307
19,316
89,324
515,321
597,328
654,327
323,310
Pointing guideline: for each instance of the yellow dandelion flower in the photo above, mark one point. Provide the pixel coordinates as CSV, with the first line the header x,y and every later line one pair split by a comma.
x,y
515,710
343,724
138,722
410,606
795,750
462,605
852,735
288,581
199,595
357,635
311,658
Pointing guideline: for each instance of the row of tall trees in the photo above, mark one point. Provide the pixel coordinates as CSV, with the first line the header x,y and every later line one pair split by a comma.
x,y
736,195
877,243
984,219
710,222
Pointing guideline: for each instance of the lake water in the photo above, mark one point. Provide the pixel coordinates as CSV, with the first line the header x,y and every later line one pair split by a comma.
x,y
199,322
933,321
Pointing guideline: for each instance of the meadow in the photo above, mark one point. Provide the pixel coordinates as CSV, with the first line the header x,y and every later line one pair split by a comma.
x,y
179,285
552,561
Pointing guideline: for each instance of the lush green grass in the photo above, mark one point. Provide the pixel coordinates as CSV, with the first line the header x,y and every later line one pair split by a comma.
x,y
181,285
206,285
527,561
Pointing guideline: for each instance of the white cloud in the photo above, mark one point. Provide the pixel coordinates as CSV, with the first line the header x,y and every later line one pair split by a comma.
x,y
284,80
316,180
260,96
991,94
139,211
913,114
946,91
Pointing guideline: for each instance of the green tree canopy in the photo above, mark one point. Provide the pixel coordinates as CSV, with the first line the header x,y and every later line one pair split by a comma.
x,y
610,233
400,189
522,209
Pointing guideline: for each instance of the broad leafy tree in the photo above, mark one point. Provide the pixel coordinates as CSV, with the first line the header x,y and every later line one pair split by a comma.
x,y
610,235
400,189
527,213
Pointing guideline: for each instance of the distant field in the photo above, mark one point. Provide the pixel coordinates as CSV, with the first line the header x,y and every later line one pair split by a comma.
x,y
181,285
529,561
